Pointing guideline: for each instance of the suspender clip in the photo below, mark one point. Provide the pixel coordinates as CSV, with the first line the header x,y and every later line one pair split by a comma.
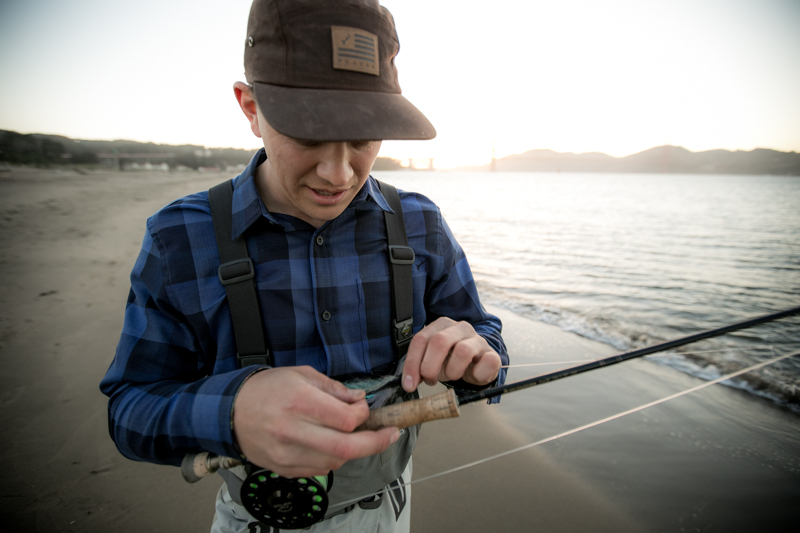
x,y
236,271
247,360
401,255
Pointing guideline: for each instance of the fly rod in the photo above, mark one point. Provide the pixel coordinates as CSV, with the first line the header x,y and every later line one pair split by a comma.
x,y
299,503
445,404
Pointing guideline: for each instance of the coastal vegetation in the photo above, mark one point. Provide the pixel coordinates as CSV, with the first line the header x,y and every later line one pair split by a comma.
x,y
48,150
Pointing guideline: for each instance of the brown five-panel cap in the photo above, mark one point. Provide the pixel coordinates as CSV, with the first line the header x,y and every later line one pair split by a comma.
x,y
324,71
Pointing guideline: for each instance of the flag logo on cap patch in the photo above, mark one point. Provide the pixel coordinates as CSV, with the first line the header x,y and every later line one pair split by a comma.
x,y
355,49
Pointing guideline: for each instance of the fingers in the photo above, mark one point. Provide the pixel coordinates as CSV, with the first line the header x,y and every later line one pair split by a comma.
x,y
485,370
417,351
328,450
446,350
331,386
296,421
305,394
463,355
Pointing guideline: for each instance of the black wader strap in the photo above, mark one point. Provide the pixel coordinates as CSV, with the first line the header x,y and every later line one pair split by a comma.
x,y
401,259
236,273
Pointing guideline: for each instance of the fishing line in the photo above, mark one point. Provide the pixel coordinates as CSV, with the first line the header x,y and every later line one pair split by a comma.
x,y
590,425
627,356
653,356
583,361
297,503
723,350
552,363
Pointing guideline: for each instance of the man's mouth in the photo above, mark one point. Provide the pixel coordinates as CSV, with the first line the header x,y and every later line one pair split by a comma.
x,y
328,197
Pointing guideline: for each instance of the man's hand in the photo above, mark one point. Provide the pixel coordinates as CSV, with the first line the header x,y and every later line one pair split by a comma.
x,y
298,422
446,350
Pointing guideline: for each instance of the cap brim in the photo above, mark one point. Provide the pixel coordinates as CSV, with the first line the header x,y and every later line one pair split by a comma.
x,y
337,115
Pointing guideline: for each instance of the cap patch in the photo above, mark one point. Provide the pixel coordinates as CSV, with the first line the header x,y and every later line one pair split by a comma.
x,y
355,49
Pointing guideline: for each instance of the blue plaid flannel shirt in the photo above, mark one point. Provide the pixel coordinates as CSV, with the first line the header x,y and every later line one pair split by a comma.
x,y
174,377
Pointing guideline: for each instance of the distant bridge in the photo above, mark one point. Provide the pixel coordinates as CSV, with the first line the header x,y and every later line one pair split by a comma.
x,y
118,159
412,164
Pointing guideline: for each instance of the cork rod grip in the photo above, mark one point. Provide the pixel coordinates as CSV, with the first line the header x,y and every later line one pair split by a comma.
x,y
406,414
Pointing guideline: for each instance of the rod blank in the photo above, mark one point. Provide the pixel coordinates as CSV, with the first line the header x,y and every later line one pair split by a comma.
x,y
614,359
445,404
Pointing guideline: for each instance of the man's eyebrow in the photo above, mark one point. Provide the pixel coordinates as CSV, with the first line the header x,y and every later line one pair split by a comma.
x,y
308,142
312,142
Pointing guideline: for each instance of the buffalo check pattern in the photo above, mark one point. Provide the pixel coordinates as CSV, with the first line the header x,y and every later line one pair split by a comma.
x,y
325,298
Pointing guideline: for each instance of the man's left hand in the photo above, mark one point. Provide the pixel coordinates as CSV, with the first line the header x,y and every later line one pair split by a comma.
x,y
446,350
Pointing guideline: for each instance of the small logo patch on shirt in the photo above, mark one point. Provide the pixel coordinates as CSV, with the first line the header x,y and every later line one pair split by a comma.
x,y
355,49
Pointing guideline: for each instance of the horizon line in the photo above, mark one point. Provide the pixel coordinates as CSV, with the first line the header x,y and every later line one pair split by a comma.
x,y
407,157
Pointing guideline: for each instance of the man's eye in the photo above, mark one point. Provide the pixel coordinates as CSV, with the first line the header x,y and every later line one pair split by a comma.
x,y
306,143
360,145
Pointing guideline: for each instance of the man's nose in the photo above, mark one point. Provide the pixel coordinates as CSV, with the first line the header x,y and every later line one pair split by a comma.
x,y
334,166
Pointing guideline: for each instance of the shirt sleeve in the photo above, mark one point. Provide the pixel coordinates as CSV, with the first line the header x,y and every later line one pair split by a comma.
x,y
162,402
454,294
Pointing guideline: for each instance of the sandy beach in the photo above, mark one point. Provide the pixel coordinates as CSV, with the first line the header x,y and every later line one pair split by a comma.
x,y
716,460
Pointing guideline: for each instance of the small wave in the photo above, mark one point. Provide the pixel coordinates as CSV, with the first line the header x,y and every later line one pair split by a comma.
x,y
777,387
786,396
568,320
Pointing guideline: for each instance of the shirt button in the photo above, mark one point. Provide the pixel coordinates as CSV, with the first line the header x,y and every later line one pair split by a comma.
x,y
326,316
320,240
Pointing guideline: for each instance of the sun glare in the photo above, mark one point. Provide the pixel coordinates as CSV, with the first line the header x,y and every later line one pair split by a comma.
x,y
573,76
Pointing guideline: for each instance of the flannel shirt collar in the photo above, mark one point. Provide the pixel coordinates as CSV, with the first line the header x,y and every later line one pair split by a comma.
x,y
248,207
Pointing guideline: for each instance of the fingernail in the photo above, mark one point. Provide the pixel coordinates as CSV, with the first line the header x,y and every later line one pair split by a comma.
x,y
408,383
357,393
395,435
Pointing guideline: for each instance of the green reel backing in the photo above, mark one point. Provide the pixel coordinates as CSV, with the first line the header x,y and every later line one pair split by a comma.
x,y
285,503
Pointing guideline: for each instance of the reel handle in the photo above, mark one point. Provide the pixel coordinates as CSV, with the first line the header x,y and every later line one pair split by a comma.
x,y
406,414
196,466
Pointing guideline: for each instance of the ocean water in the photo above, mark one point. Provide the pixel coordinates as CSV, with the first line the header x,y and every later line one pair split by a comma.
x,y
636,259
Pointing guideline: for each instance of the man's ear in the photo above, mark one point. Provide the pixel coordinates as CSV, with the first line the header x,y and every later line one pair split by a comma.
x,y
247,102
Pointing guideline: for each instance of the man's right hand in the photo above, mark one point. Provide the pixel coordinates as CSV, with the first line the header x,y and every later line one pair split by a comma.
x,y
298,422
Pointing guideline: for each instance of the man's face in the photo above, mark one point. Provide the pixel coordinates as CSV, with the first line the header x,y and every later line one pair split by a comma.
x,y
313,181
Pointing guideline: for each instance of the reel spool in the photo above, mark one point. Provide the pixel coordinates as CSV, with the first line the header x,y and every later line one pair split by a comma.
x,y
285,503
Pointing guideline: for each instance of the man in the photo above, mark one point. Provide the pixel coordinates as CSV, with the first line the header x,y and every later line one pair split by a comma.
x,y
322,90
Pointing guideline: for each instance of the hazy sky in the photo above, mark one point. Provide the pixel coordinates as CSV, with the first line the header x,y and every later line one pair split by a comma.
x,y
612,76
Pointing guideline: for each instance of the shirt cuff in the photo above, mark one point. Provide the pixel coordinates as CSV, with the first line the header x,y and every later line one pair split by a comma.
x,y
212,411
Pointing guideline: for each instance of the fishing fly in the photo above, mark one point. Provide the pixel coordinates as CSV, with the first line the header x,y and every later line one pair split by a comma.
x,y
299,503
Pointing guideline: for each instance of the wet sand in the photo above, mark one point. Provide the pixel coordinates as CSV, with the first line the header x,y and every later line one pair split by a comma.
x,y
718,460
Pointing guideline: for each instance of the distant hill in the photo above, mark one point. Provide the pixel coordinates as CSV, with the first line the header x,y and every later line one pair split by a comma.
x,y
42,149
662,159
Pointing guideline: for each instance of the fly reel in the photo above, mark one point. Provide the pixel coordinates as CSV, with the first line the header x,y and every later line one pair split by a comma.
x,y
285,503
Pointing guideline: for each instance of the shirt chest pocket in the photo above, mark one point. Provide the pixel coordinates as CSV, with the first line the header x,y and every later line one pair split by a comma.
x,y
376,306
375,309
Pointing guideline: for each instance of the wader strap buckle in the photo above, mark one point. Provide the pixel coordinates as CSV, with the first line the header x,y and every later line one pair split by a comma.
x,y
401,255
236,271
403,331
247,360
